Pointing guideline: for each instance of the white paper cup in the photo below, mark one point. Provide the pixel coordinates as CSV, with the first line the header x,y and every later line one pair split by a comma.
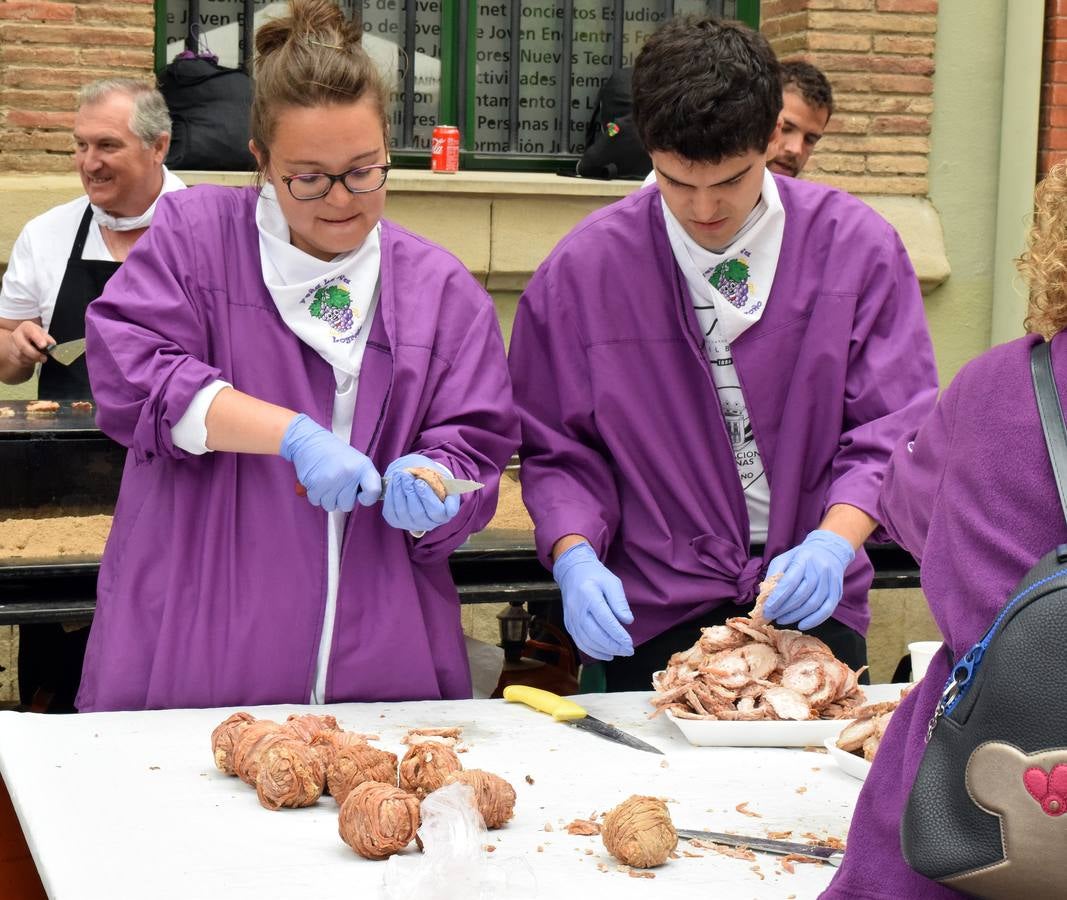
x,y
921,654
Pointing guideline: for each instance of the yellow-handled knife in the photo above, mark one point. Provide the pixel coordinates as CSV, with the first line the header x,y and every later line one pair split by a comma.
x,y
570,713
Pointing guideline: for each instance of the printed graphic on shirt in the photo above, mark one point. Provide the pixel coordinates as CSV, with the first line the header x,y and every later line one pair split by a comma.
x,y
331,302
730,278
734,410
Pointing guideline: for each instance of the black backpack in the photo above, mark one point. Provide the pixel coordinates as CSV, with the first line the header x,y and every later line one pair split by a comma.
x,y
210,106
984,813
612,147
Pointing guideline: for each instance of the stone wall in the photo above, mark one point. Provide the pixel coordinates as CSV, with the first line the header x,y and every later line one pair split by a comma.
x,y
47,51
879,58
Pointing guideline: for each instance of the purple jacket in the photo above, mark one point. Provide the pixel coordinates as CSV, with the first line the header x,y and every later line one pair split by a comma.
x,y
974,501
213,582
623,437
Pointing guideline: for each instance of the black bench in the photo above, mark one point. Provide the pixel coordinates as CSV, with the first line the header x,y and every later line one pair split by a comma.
x,y
495,566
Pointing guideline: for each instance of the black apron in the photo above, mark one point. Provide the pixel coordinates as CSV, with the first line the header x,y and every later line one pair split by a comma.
x,y
83,281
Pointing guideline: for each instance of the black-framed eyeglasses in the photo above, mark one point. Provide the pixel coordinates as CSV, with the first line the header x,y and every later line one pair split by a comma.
x,y
313,185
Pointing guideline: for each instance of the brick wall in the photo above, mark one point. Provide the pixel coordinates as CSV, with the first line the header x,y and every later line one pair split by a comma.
x,y
1052,129
878,54
48,49
879,58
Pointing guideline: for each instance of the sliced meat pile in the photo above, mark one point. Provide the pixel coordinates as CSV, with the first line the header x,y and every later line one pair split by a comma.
x,y
747,669
865,733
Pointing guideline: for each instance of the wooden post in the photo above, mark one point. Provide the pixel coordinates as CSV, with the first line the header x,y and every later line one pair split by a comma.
x,y
18,874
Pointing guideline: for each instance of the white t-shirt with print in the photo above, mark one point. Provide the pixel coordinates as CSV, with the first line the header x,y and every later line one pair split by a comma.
x,y
39,260
729,290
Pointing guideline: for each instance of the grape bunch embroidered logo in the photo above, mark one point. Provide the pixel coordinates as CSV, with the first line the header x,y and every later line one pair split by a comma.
x,y
1048,788
730,278
331,302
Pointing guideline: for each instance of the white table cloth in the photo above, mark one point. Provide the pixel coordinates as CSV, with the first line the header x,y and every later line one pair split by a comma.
x,y
130,805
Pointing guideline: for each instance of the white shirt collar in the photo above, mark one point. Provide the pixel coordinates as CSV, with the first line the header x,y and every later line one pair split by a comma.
x,y
171,182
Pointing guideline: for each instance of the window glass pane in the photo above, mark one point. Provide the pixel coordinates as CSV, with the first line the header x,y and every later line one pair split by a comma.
x,y
387,37
521,80
492,77
595,53
536,56
395,33
591,62
221,25
726,9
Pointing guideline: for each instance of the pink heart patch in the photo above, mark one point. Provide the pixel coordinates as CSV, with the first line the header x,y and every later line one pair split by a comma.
x,y
1048,788
1036,781
1057,779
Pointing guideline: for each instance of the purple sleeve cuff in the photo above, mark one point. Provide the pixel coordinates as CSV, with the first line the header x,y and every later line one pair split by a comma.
x,y
563,520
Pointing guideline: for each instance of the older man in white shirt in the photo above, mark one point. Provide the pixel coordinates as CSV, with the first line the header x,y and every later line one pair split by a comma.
x,y
59,264
64,257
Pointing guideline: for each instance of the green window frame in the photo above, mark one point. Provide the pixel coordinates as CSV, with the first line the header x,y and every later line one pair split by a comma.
x,y
456,36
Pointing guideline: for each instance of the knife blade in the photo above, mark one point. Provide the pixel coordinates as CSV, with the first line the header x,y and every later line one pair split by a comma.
x,y
67,352
570,713
823,852
452,486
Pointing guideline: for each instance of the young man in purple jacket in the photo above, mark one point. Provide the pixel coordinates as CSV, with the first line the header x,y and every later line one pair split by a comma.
x,y
711,375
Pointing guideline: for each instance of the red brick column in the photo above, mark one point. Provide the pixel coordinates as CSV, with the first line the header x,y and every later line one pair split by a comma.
x,y
1052,133
48,49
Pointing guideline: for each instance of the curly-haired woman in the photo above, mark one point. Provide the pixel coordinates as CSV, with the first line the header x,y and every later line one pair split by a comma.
x,y
972,496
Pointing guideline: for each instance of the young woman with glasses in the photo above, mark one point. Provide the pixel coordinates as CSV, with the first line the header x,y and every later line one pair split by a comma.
x,y
278,339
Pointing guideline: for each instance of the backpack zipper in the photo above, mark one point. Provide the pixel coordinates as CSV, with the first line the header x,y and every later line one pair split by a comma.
x,y
962,675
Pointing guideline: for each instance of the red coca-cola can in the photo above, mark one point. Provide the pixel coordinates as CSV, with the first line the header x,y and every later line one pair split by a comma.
x,y
444,152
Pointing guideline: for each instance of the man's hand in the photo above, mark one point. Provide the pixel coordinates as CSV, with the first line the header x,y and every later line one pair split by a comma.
x,y
21,348
594,604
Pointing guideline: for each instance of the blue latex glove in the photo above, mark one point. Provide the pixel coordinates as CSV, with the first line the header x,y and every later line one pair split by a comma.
x,y
593,604
812,580
334,473
410,503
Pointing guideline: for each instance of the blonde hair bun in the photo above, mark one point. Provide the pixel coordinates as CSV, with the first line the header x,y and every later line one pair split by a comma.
x,y
318,21
311,57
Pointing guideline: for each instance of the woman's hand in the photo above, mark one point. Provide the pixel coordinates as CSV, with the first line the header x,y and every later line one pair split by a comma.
x,y
410,503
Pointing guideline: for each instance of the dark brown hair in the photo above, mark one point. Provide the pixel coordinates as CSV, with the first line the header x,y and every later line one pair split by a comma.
x,y
808,81
312,57
706,89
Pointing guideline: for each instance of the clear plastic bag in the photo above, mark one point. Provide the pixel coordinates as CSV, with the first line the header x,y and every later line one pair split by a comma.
x,y
454,864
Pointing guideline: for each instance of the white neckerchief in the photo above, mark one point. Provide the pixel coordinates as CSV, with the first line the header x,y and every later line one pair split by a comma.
x,y
302,288
724,311
171,182
737,280
326,304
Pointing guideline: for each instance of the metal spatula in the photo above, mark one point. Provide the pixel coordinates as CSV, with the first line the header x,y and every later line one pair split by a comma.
x,y
67,352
